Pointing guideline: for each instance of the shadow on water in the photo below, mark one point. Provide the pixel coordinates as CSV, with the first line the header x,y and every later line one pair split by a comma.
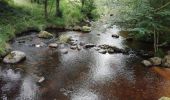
x,y
81,75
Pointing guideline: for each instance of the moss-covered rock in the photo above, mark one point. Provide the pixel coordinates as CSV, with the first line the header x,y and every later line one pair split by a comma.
x,y
86,29
45,34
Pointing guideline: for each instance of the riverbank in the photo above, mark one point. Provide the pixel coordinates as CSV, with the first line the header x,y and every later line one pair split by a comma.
x,y
18,17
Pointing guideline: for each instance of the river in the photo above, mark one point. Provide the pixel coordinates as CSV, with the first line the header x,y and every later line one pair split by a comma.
x,y
84,74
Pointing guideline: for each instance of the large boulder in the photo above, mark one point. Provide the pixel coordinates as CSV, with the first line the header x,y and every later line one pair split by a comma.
x,y
86,29
14,57
45,35
164,98
166,61
156,61
146,63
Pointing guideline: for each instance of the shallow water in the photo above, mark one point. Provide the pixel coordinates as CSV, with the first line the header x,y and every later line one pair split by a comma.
x,y
82,75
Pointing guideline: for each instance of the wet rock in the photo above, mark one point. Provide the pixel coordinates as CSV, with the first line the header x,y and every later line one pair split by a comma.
x,y
115,36
168,52
98,34
97,48
89,45
156,61
164,98
166,61
78,48
146,63
86,29
64,51
73,47
53,45
45,35
81,43
14,57
41,79
102,51
110,51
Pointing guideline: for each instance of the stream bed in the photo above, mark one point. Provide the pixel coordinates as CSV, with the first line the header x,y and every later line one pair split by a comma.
x,y
81,75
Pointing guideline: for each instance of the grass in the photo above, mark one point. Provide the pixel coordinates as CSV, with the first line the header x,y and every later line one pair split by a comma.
x,y
21,15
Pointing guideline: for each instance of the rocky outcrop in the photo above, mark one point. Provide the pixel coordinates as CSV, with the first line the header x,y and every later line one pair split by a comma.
x,y
45,35
86,29
14,57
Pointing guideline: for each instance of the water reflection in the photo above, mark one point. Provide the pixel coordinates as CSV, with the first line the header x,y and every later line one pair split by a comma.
x,y
84,94
29,90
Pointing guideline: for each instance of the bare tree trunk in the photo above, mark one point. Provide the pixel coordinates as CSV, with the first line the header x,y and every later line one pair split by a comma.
x,y
58,14
45,9
155,42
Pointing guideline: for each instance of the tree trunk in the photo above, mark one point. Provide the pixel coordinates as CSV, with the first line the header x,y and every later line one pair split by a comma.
x,y
45,9
58,14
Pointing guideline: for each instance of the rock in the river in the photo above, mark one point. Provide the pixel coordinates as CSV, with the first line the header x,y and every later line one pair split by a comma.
x,y
73,47
115,36
156,61
64,51
164,98
45,34
53,45
166,61
146,63
86,29
89,45
14,57
41,79
76,28
110,51
102,51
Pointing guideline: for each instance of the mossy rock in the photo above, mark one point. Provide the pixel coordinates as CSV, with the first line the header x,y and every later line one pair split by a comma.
x,y
45,35
86,29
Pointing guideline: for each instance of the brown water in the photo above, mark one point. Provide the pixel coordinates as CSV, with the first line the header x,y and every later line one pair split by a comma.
x,y
82,75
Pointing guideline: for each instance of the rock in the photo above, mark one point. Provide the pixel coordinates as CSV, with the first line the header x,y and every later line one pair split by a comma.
x,y
76,28
41,79
98,34
97,48
81,43
168,52
53,45
64,51
156,61
45,35
7,50
146,63
14,57
166,61
110,51
78,48
89,45
145,54
164,98
115,36
86,29
73,47
102,51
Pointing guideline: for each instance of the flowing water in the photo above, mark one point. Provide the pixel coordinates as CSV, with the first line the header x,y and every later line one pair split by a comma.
x,y
84,74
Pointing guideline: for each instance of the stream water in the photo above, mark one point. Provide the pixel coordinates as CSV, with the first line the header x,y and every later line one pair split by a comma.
x,y
84,74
